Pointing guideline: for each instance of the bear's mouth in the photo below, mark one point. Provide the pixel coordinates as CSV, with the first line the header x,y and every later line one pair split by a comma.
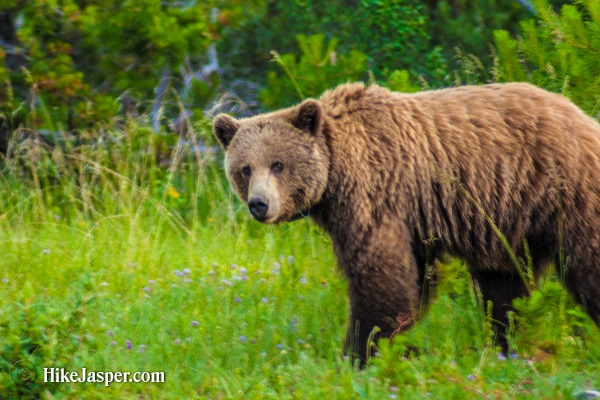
x,y
274,219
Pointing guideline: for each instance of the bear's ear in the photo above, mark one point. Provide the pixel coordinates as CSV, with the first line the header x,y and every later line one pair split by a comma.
x,y
225,128
308,116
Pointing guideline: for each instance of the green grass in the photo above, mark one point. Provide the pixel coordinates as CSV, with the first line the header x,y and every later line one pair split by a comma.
x,y
100,246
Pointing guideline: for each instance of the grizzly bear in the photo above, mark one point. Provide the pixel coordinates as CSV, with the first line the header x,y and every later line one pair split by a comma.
x,y
493,174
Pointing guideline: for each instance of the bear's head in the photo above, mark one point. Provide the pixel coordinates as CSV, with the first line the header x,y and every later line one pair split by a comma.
x,y
278,163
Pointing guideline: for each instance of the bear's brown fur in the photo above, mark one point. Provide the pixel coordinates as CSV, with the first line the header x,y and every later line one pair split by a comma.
x,y
398,180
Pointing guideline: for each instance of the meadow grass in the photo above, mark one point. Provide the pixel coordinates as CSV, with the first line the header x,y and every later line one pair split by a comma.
x,y
131,254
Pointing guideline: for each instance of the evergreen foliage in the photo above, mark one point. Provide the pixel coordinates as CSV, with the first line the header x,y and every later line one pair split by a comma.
x,y
316,69
560,51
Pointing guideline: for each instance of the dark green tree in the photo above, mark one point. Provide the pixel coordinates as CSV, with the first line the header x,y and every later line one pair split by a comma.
x,y
393,34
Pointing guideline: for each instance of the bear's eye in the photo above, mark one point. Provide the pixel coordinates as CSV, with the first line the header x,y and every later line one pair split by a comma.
x,y
246,171
277,167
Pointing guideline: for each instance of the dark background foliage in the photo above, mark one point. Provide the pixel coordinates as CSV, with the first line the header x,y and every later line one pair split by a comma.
x,y
69,67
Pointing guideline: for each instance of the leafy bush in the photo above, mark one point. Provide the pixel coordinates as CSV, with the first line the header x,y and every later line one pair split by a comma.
x,y
66,63
559,51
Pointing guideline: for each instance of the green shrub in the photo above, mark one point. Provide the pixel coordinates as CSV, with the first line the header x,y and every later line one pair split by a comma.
x,y
558,51
316,69
70,61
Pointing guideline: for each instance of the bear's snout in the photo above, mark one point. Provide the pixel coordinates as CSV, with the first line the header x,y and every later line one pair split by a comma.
x,y
258,208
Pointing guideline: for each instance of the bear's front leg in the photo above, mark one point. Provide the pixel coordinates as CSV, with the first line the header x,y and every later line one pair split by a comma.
x,y
384,289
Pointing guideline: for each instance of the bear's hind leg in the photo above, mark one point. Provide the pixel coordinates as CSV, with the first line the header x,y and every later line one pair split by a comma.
x,y
582,279
501,289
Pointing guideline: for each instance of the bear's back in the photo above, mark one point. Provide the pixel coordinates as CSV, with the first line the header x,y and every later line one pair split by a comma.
x,y
509,148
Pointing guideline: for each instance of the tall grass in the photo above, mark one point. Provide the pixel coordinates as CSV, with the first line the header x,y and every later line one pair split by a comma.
x,y
130,253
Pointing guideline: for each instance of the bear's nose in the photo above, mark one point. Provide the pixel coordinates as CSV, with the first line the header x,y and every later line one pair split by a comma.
x,y
258,208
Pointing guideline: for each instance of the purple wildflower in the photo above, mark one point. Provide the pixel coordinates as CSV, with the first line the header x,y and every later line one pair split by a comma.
x,y
177,341
110,333
294,324
128,344
178,273
238,299
242,339
195,323
264,300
